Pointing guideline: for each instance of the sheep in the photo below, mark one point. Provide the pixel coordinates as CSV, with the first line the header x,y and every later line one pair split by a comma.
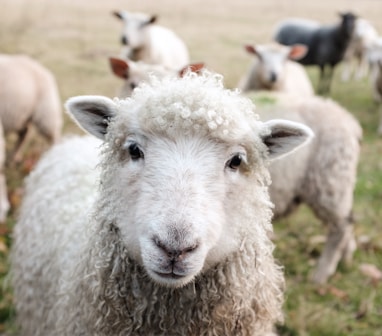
x,y
273,70
363,39
326,44
322,174
134,73
28,96
146,41
169,233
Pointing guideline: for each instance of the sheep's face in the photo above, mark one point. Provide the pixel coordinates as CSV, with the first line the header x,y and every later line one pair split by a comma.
x,y
271,60
180,190
184,178
134,29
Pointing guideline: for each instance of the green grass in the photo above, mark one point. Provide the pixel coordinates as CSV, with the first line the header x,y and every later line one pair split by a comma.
x,y
74,38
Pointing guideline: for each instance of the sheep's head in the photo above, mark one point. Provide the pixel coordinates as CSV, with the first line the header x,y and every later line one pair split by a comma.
x,y
134,73
135,24
272,58
184,171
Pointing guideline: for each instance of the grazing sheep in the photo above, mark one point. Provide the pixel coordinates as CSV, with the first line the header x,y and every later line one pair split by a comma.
x,y
28,96
363,39
326,44
146,41
322,174
273,70
173,240
134,73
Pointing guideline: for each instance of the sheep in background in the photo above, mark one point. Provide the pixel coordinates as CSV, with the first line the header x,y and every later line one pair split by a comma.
x,y
146,41
173,239
322,174
134,73
28,96
273,70
363,39
326,44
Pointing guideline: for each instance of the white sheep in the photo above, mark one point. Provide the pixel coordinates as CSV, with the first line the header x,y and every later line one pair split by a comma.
x,y
28,96
322,174
146,41
134,73
274,69
168,234
361,43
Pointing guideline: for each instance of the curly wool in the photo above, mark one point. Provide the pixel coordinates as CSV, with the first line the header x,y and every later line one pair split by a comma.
x,y
118,298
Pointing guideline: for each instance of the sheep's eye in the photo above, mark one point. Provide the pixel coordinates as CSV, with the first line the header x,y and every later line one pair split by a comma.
x,y
235,162
135,152
133,85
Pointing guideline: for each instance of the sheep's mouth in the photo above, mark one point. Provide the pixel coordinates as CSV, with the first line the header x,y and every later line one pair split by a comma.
x,y
170,275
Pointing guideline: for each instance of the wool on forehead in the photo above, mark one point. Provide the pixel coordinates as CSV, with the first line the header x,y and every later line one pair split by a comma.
x,y
194,104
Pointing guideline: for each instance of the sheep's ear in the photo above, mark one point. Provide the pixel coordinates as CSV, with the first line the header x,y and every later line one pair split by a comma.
x,y
297,52
285,136
92,113
250,49
195,67
119,67
118,15
152,19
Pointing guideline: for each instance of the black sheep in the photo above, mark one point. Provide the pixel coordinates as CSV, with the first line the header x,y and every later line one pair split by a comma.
x,y
326,44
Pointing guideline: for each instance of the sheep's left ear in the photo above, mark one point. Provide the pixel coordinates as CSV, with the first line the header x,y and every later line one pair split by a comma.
x,y
119,67
284,136
92,113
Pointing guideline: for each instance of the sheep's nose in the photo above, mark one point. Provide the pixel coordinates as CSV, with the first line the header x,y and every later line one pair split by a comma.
x,y
124,40
175,254
273,77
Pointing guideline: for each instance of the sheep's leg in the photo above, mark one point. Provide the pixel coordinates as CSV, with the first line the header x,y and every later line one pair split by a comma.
x,y
362,67
347,69
16,156
320,88
340,244
380,120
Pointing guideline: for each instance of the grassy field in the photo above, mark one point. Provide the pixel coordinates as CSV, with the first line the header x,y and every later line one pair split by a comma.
x,y
73,38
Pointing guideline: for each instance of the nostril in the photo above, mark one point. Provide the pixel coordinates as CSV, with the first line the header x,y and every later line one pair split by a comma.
x,y
174,253
124,40
273,77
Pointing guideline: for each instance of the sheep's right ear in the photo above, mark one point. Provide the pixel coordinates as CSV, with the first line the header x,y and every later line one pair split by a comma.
x,y
297,51
284,136
194,67
92,113
119,67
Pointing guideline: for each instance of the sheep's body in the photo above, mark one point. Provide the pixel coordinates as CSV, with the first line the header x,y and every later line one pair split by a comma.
x,y
141,253
322,174
28,95
151,43
326,44
362,41
272,70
